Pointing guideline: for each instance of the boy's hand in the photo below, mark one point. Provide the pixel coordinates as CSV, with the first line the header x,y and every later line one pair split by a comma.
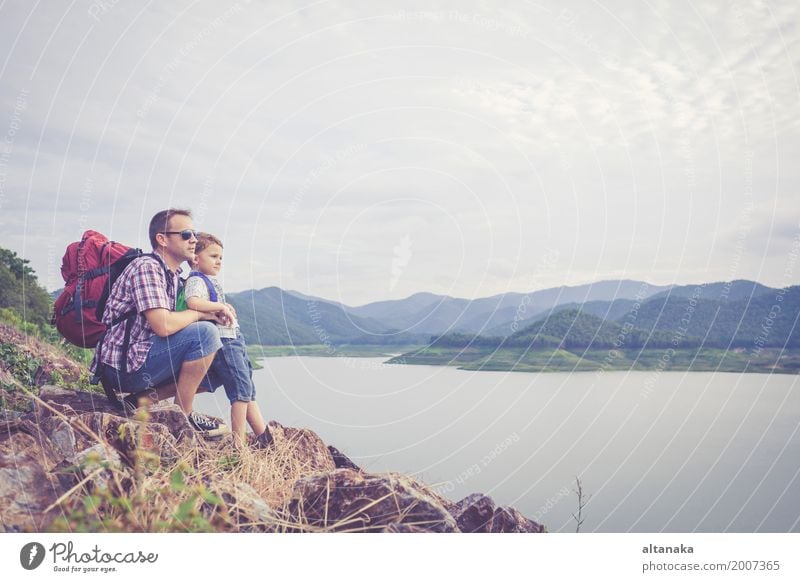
x,y
224,317
231,312
226,313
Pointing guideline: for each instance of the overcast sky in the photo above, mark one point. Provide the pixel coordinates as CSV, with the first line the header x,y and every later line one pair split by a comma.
x,y
368,150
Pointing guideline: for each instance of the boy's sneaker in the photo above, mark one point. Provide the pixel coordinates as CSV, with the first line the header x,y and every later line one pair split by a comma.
x,y
263,441
206,425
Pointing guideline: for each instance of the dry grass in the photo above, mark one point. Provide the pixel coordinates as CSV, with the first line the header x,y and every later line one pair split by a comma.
x,y
200,486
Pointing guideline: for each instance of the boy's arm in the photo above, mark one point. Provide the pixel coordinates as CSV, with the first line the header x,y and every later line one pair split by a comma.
x,y
197,298
204,305
228,315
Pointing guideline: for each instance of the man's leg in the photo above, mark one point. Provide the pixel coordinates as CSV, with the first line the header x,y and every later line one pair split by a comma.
x,y
152,395
175,366
192,373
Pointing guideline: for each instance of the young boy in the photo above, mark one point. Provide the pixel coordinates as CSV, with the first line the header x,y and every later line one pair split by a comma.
x,y
203,292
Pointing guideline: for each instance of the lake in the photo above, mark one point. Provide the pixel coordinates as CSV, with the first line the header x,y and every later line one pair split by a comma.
x,y
669,451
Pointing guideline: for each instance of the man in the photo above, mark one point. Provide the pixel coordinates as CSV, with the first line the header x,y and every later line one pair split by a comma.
x,y
169,352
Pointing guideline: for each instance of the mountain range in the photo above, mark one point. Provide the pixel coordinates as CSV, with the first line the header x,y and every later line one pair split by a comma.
x,y
721,314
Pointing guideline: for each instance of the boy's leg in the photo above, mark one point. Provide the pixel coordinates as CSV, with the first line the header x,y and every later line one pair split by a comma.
x,y
239,419
233,367
254,418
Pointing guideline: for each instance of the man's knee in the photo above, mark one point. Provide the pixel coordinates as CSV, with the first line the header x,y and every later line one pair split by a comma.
x,y
206,336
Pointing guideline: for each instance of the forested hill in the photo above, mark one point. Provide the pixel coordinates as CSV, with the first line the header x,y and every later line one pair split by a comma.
x,y
568,329
682,319
765,320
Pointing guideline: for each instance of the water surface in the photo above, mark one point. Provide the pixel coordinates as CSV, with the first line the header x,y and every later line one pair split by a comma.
x,y
666,451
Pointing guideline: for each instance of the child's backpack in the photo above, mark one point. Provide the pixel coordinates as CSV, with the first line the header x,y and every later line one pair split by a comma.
x,y
89,267
180,300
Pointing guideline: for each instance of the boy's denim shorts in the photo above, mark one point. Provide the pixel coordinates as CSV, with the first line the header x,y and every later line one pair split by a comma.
x,y
232,369
165,358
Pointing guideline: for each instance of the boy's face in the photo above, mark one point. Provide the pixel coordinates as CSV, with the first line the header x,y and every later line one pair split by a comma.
x,y
209,260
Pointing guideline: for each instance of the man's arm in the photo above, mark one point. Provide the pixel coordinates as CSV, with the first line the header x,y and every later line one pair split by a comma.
x,y
208,306
165,322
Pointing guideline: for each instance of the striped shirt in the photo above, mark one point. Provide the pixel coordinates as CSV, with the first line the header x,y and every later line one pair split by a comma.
x,y
141,286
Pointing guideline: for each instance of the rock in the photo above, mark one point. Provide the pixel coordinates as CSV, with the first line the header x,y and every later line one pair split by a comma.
x,y
61,435
50,392
304,445
93,458
7,415
27,487
172,417
77,401
477,513
247,508
349,500
9,422
342,461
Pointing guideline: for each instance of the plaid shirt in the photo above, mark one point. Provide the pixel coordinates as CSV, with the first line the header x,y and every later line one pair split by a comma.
x,y
141,286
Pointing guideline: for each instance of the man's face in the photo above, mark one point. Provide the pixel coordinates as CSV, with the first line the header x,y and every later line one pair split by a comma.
x,y
180,249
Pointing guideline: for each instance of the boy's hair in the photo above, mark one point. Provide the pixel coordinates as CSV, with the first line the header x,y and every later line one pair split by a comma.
x,y
160,222
205,240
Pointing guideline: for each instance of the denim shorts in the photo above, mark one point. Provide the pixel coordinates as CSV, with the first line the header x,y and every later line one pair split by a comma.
x,y
232,369
165,358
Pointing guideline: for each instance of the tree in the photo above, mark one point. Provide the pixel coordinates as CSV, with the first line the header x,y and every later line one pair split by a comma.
x,y
20,290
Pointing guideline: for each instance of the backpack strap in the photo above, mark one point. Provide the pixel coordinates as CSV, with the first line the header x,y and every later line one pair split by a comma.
x,y
111,394
127,318
212,292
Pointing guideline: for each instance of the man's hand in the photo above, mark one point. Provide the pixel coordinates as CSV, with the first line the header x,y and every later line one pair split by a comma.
x,y
215,317
224,315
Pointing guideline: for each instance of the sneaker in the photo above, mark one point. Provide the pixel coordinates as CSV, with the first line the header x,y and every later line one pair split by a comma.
x,y
263,441
206,425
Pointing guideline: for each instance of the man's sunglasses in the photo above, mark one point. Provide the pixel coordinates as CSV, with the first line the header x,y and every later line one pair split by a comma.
x,y
185,234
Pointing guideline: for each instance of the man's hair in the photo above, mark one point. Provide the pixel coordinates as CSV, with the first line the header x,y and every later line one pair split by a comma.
x,y
205,240
160,222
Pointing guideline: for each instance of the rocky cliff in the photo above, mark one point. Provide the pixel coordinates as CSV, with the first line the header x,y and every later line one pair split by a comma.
x,y
71,462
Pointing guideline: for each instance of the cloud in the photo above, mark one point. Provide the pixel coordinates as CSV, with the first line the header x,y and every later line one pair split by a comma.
x,y
624,136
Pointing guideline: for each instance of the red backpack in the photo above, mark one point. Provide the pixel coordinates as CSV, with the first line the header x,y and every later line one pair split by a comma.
x,y
89,267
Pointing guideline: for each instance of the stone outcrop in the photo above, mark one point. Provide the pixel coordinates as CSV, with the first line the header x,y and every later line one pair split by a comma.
x,y
27,484
69,429
477,513
349,500
306,447
341,460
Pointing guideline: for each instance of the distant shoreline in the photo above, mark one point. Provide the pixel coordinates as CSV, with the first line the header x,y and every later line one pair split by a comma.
x,y
767,361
